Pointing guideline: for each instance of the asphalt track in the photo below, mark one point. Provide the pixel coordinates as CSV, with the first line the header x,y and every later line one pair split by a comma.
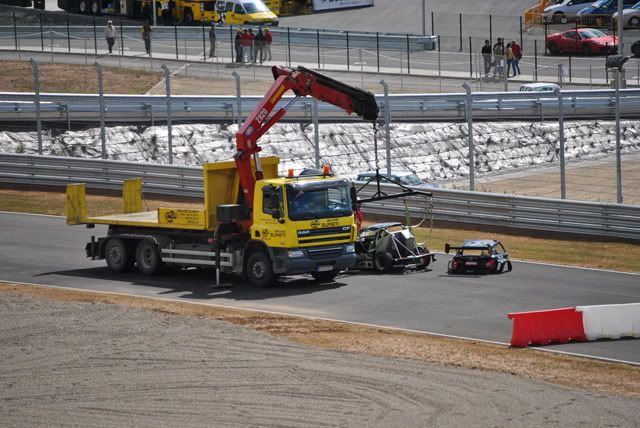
x,y
44,250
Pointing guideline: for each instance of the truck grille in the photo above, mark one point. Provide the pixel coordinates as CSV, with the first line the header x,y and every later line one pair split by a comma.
x,y
325,252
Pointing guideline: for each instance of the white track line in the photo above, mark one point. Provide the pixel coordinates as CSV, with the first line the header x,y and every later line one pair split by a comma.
x,y
404,330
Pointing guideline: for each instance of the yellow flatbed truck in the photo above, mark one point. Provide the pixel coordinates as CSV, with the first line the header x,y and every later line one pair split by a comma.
x,y
253,222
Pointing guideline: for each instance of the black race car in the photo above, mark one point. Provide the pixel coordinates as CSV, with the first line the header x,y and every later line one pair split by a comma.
x,y
478,256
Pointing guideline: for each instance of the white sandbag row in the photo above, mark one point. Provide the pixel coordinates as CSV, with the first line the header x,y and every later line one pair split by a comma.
x,y
611,321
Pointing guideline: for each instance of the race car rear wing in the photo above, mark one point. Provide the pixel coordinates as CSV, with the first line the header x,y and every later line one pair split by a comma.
x,y
448,247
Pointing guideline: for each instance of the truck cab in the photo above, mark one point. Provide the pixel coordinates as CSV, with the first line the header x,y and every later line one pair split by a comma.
x,y
244,12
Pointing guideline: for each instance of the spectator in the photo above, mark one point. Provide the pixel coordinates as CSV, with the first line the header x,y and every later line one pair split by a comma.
x,y
498,57
146,36
251,45
259,43
146,10
246,46
212,40
508,54
517,56
486,57
110,34
268,38
172,11
238,45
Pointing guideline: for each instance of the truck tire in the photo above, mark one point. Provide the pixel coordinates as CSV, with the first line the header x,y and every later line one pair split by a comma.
x,y
95,7
148,257
383,261
83,6
188,17
259,269
119,257
328,276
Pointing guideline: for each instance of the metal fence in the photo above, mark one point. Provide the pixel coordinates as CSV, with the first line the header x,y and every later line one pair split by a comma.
x,y
598,219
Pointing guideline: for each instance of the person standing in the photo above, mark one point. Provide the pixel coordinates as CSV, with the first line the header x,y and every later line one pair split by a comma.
x,y
486,57
212,40
517,56
237,44
260,43
246,46
498,57
268,38
146,36
508,54
110,34
252,37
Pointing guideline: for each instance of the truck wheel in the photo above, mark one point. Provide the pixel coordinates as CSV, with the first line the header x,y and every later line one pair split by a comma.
x,y
83,6
148,257
188,17
383,261
328,276
259,270
95,7
119,258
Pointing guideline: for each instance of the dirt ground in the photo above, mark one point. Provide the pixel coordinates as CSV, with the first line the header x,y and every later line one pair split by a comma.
x,y
104,360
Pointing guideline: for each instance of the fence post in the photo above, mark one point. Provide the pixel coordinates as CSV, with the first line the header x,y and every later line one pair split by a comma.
x,y
289,46
232,44
535,59
570,73
408,57
439,66
175,32
424,19
95,37
470,59
521,43
387,121
618,160
103,138
318,44
41,33
15,30
348,60
491,29
238,97
167,78
433,26
469,117
563,183
121,39
460,27
316,131
69,35
36,90
204,45
378,50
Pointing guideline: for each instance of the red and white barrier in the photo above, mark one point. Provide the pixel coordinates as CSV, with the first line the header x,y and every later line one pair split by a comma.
x,y
579,324
611,321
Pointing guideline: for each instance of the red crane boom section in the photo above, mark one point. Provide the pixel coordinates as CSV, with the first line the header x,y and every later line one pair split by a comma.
x,y
303,82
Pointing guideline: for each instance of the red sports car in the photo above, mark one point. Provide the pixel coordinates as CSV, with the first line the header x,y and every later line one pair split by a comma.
x,y
587,41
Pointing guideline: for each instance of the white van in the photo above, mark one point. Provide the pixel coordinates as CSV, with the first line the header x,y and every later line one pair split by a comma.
x,y
565,10
244,12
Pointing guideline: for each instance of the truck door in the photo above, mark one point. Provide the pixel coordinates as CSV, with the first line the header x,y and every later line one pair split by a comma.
x,y
266,214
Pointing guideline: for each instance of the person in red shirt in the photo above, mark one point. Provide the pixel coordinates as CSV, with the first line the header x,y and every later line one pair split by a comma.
x,y
245,40
517,55
252,36
267,45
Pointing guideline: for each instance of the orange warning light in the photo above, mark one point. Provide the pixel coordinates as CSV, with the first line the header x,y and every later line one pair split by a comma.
x,y
290,172
326,170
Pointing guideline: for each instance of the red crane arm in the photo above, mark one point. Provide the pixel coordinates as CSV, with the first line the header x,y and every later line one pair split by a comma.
x,y
303,82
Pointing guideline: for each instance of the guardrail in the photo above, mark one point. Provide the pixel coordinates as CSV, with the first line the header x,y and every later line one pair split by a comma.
x,y
583,104
597,219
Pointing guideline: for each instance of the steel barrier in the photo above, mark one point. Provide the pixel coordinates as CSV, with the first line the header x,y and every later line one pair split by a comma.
x,y
588,218
582,104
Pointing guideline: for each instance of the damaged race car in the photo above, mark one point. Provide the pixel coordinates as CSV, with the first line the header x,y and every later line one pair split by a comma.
x,y
478,256
385,246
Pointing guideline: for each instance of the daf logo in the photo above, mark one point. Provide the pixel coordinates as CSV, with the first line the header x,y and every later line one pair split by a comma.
x,y
315,224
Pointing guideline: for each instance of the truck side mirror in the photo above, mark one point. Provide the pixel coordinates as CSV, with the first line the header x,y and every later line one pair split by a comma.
x,y
447,248
354,197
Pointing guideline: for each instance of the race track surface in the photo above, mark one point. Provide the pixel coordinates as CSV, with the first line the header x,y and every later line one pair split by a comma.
x,y
44,250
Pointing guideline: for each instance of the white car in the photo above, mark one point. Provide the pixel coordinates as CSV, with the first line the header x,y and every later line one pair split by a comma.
x,y
565,10
539,87
630,16
405,178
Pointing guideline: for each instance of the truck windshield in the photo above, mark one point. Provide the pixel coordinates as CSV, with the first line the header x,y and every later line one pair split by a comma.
x,y
308,202
255,7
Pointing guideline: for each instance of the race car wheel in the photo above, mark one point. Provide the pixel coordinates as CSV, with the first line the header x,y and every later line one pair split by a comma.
x,y
553,49
634,22
383,261
586,50
325,276
509,267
